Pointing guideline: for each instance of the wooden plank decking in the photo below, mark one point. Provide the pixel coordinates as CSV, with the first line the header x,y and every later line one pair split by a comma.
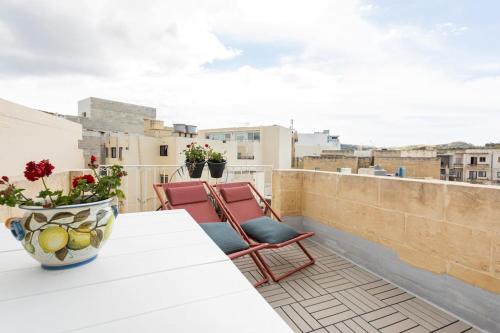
x,y
335,295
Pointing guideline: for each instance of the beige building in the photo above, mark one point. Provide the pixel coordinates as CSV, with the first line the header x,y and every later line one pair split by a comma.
x,y
475,165
26,135
259,145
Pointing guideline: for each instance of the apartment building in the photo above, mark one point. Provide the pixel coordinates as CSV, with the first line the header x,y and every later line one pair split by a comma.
x,y
313,144
259,145
477,165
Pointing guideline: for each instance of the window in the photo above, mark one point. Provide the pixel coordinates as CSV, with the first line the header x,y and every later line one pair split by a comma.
x,y
482,159
164,150
120,153
473,160
106,151
113,152
498,159
163,179
481,174
472,174
498,174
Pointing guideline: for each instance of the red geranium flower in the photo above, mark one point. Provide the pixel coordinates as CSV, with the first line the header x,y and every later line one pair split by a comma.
x,y
88,180
35,171
206,145
5,179
188,146
93,159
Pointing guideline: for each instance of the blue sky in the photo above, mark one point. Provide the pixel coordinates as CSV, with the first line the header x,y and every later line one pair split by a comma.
x,y
374,72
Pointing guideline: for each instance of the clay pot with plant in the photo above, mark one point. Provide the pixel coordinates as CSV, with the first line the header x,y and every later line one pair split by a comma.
x,y
195,159
216,162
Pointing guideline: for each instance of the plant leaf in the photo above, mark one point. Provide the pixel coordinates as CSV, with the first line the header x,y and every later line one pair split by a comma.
x,y
82,215
94,239
61,254
61,215
40,218
85,225
100,215
100,234
27,223
28,236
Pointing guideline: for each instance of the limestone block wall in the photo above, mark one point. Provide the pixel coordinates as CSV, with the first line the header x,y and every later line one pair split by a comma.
x,y
418,167
438,226
332,163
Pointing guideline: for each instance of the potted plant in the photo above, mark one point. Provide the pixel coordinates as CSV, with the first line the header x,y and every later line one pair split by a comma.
x,y
64,230
216,162
195,159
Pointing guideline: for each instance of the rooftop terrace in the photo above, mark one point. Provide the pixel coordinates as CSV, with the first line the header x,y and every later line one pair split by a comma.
x,y
393,255
335,295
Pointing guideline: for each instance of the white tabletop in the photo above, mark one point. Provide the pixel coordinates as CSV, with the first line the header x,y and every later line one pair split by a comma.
x,y
159,272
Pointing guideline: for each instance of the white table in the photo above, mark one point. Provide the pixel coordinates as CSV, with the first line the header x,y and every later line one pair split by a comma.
x,y
159,272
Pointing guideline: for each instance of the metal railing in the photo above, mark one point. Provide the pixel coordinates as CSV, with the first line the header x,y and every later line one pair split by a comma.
x,y
138,185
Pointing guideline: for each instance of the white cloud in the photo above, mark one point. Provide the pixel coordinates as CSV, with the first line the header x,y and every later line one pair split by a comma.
x,y
368,83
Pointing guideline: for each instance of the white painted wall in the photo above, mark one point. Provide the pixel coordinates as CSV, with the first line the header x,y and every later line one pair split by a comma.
x,y
31,135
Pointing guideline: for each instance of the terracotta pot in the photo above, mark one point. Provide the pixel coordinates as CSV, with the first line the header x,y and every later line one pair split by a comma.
x,y
65,236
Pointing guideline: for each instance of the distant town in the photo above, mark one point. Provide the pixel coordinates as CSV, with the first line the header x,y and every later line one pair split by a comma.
x,y
128,134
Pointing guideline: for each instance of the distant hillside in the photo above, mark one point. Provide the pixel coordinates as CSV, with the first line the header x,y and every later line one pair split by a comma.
x,y
347,146
455,145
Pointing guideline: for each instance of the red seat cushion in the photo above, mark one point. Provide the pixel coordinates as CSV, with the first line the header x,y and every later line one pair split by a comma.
x,y
186,195
241,203
195,200
235,194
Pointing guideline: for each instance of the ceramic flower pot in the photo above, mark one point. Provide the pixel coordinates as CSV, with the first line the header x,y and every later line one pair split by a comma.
x,y
216,169
65,236
195,169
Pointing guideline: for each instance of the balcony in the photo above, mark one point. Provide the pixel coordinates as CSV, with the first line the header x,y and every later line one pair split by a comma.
x,y
392,255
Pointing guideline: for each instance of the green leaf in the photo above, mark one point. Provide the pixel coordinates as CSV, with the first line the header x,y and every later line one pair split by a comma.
x,y
61,215
100,234
28,236
86,225
40,218
101,214
82,215
94,239
62,253
27,223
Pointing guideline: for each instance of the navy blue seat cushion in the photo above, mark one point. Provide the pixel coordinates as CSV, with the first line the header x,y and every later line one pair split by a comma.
x,y
266,230
224,236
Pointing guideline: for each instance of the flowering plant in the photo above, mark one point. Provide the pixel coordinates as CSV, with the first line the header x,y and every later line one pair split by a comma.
x,y
214,156
86,188
194,153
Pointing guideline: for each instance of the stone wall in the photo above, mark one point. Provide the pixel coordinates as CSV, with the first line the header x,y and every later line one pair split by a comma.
x,y
332,163
416,167
437,226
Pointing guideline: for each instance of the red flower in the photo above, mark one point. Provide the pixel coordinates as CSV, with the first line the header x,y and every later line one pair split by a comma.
x,y
93,159
206,145
35,171
188,146
88,180
93,164
5,179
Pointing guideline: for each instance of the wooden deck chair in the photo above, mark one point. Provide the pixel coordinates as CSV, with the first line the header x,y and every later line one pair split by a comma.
x,y
192,196
239,200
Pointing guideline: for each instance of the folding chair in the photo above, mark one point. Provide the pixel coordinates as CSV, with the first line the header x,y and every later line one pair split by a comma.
x,y
192,196
239,200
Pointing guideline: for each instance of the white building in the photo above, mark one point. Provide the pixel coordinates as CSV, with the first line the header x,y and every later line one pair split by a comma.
x,y
312,144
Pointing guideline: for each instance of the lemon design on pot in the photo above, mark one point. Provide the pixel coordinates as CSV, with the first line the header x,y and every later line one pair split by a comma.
x,y
109,226
79,239
53,239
